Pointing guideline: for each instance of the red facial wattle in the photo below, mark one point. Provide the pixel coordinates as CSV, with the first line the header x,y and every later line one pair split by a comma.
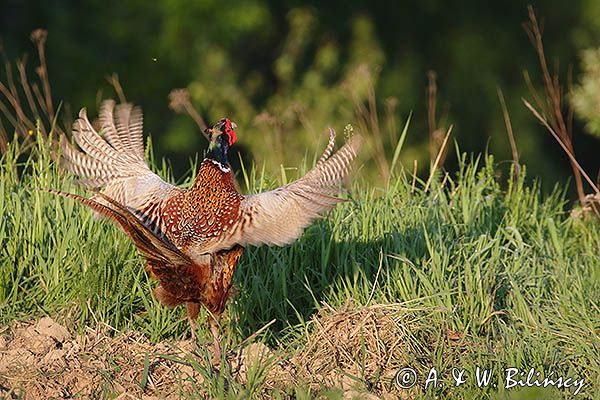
x,y
230,132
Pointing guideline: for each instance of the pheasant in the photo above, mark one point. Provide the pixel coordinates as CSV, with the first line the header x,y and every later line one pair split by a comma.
x,y
192,239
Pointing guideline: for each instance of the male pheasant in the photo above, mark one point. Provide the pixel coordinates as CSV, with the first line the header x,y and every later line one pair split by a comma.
x,y
192,239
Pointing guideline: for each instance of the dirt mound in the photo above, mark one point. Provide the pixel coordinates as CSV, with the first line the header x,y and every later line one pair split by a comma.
x,y
44,360
356,349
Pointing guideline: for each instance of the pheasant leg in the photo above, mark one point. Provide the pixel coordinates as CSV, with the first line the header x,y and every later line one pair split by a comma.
x,y
194,327
193,309
214,328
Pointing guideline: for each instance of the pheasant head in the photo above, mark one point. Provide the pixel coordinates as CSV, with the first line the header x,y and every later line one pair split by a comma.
x,y
222,136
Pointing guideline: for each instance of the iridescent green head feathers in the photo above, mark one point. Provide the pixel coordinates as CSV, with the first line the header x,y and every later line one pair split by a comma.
x,y
222,136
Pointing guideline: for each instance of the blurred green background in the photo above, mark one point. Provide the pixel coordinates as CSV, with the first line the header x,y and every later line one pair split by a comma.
x,y
286,70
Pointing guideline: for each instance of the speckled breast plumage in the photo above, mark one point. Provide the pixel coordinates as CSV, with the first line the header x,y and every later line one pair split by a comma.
x,y
203,212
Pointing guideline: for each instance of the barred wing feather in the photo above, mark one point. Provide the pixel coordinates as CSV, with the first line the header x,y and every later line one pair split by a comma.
x,y
280,216
114,160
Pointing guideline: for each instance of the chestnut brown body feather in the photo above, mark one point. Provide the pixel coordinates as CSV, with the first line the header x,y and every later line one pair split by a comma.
x,y
205,211
208,284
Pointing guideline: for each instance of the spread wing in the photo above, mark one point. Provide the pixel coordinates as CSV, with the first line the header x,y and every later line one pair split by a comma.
x,y
280,216
113,160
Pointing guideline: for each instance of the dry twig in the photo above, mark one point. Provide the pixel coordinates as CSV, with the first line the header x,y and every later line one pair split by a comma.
x,y
368,121
179,101
551,105
41,112
436,132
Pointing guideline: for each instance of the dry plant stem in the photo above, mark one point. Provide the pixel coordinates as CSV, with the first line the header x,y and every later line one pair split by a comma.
x,y
258,332
437,160
40,98
431,101
446,177
414,176
368,121
39,37
179,101
431,109
509,131
26,88
391,104
21,123
376,277
365,122
196,116
435,131
3,138
14,99
39,101
563,145
552,106
7,114
114,82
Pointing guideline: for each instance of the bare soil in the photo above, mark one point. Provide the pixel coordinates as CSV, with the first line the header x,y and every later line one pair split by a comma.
x,y
356,349
43,359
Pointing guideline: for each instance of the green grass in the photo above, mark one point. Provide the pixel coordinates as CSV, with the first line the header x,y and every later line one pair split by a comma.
x,y
497,262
